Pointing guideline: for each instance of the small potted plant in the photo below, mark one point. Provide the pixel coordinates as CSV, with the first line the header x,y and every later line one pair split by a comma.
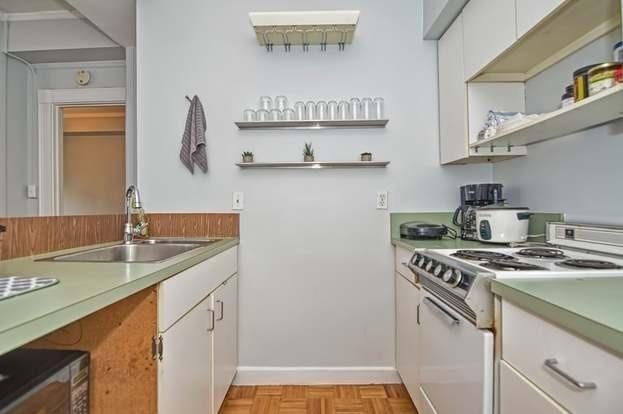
x,y
366,156
247,156
308,152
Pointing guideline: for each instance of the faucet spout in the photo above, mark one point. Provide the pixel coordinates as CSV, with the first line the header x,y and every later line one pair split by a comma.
x,y
132,202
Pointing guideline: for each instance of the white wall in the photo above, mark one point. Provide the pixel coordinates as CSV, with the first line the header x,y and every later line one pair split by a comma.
x,y
316,284
579,174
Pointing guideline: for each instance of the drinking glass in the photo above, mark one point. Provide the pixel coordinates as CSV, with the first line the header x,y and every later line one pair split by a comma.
x,y
281,103
248,115
366,108
266,103
355,108
343,112
310,111
378,108
262,115
332,110
321,111
289,114
276,115
299,110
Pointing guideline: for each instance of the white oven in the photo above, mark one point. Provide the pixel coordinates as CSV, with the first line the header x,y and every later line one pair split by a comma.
x,y
456,371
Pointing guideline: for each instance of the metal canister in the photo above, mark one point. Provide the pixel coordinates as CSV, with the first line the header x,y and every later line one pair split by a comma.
x,y
604,76
580,82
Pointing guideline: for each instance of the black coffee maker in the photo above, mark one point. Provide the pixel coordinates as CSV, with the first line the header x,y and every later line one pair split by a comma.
x,y
474,196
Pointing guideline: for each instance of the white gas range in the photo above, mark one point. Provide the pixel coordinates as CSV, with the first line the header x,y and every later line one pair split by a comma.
x,y
457,314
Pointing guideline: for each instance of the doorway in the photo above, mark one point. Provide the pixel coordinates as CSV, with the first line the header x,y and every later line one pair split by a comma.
x,y
92,158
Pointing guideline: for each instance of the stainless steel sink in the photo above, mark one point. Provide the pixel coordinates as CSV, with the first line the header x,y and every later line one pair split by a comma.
x,y
140,251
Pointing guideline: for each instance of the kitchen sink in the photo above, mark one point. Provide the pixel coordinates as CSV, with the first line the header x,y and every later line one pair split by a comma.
x,y
140,251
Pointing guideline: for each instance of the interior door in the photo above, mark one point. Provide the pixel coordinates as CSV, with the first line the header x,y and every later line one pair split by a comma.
x,y
184,380
225,342
407,335
456,368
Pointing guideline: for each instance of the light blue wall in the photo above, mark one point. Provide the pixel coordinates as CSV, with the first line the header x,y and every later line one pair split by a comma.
x,y
581,174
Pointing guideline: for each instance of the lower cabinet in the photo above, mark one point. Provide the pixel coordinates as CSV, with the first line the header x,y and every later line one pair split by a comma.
x,y
407,336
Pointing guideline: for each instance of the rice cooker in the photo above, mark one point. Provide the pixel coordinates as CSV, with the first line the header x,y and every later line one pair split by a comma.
x,y
501,224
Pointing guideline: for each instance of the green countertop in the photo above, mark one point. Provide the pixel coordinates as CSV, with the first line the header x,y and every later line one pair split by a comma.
x,y
83,288
590,307
438,244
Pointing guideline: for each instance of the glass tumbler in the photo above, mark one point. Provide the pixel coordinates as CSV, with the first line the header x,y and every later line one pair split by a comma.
x,y
281,103
366,108
310,111
378,108
248,115
276,115
262,115
289,114
299,110
321,111
332,110
355,108
343,112
266,103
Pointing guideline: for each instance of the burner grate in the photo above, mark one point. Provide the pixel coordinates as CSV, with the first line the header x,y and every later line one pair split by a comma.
x,y
542,253
589,264
481,255
511,265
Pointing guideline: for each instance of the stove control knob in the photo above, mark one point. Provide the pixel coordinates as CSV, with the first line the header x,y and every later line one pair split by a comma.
x,y
415,258
438,270
429,265
447,276
421,262
453,277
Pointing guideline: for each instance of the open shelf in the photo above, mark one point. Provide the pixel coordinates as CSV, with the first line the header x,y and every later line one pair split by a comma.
x,y
351,123
590,112
574,24
315,164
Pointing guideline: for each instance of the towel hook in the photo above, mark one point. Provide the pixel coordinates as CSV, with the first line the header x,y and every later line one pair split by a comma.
x,y
188,99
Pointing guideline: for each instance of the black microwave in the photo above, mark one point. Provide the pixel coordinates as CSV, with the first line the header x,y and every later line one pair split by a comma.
x,y
44,381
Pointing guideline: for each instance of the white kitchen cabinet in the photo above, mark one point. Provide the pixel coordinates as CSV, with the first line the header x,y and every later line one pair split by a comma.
x,y
519,396
407,336
401,260
531,12
225,339
489,29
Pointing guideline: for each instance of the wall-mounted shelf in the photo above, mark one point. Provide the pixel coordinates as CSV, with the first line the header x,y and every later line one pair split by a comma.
x,y
593,111
368,123
314,165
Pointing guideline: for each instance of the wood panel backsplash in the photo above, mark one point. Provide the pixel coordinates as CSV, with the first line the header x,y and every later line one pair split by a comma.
x,y
26,236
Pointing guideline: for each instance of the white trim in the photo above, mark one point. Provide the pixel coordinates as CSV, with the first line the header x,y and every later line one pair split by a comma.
x,y
42,15
131,152
50,102
316,375
80,65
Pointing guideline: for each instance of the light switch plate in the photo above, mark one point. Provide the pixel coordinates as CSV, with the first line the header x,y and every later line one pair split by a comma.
x,y
238,201
381,200
33,191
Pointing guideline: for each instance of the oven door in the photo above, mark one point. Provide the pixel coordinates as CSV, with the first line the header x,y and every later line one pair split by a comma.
x,y
456,371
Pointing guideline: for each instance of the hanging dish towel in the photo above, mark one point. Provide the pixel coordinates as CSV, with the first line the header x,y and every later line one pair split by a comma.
x,y
194,140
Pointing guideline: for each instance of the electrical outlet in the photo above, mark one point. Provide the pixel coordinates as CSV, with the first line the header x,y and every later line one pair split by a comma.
x,y
381,200
238,201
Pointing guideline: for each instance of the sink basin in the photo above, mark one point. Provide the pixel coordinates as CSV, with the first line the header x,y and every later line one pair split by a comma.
x,y
140,251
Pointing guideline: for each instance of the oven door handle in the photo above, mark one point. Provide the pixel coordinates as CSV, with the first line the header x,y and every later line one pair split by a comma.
x,y
439,310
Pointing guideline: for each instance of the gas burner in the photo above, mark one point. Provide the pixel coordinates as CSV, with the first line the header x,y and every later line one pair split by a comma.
x,y
511,265
542,253
481,255
589,264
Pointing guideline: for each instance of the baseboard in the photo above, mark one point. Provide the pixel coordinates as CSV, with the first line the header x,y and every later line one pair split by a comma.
x,y
316,375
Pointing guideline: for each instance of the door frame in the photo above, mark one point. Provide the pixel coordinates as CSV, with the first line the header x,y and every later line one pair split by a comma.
x,y
49,140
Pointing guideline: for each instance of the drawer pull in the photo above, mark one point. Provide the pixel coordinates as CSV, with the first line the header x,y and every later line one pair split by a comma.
x,y
552,364
439,310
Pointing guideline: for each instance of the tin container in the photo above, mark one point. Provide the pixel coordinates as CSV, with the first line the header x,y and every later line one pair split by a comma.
x,y
568,97
580,82
604,76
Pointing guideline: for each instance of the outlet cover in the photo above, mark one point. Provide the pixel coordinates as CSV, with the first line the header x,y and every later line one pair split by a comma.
x,y
238,201
381,200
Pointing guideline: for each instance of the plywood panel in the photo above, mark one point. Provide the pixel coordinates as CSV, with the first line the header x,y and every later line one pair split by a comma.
x,y
123,375
194,225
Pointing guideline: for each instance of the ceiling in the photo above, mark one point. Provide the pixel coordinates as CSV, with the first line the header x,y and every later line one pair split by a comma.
x,y
31,6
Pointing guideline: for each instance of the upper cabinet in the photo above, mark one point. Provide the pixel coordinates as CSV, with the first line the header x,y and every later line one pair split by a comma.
x,y
489,29
438,16
530,12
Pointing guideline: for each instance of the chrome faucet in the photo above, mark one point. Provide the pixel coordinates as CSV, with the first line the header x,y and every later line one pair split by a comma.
x,y
133,202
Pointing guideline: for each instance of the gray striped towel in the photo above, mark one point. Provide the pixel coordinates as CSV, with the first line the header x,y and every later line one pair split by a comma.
x,y
194,140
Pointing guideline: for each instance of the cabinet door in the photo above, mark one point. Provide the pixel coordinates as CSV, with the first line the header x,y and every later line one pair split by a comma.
x,y
531,12
519,396
184,379
407,336
489,28
225,343
452,95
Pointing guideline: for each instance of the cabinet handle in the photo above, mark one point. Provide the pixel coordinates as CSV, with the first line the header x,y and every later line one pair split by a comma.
x,y
221,310
418,314
439,310
552,364
211,320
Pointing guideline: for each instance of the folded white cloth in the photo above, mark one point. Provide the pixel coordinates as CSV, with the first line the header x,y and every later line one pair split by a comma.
x,y
194,141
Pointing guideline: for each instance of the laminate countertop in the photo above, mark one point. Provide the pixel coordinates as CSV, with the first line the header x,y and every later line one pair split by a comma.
x,y
83,288
590,307
440,244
